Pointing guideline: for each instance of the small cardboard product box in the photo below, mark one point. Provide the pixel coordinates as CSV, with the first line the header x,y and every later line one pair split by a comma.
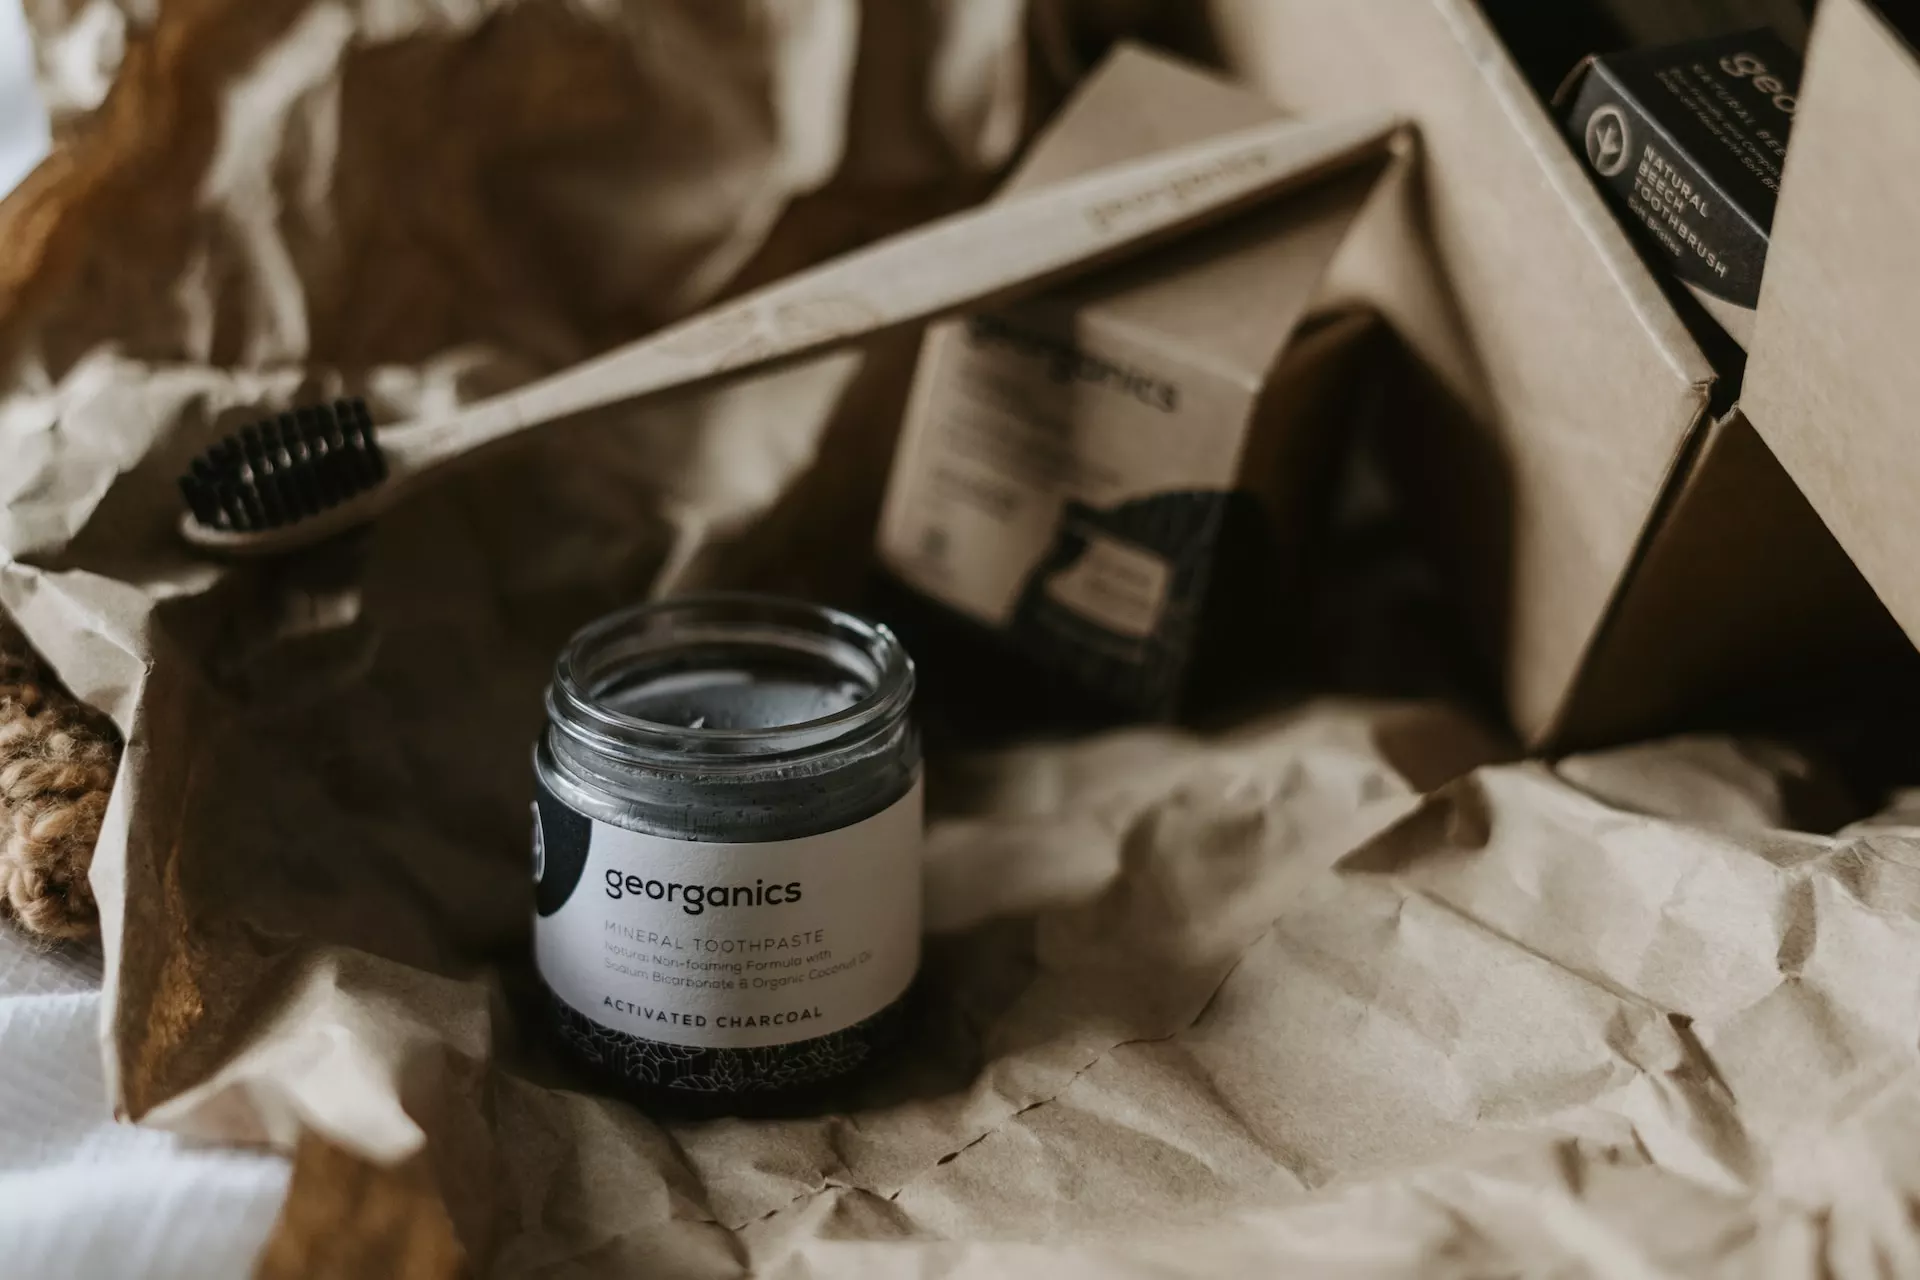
x,y
1832,383
1632,556
1111,476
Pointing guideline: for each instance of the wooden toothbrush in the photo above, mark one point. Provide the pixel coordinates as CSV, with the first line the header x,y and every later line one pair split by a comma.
x,y
297,478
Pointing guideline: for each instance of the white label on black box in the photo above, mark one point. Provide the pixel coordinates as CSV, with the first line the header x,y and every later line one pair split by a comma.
x,y
739,946
1122,587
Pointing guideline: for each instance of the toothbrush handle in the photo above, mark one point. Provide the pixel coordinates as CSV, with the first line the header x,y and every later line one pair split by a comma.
x,y
953,264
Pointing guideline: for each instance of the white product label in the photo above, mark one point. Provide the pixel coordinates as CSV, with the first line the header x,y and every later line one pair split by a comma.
x,y
1116,584
738,946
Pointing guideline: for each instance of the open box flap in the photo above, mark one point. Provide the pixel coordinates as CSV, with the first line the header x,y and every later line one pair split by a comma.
x,y
1832,382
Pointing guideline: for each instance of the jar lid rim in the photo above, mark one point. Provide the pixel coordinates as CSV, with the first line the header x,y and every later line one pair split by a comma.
x,y
575,709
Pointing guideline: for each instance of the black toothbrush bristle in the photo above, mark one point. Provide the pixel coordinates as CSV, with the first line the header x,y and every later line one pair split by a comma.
x,y
283,469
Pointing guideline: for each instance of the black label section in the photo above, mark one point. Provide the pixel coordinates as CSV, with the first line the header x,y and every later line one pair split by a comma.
x,y
560,840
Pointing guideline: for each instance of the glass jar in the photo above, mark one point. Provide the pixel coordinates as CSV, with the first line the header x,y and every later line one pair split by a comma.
x,y
727,847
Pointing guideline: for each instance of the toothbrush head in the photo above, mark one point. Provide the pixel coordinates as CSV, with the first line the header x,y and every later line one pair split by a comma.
x,y
285,469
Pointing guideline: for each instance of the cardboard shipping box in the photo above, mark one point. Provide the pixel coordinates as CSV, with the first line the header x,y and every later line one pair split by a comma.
x,y
1630,552
1116,479
1833,384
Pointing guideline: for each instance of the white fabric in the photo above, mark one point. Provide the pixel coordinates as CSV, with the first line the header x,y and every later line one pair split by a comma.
x,y
81,1195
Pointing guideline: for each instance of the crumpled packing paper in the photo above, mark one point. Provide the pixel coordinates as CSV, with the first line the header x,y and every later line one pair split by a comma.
x,y
1339,987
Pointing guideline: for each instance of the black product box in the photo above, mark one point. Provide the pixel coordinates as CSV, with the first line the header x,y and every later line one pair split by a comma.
x,y
1691,138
